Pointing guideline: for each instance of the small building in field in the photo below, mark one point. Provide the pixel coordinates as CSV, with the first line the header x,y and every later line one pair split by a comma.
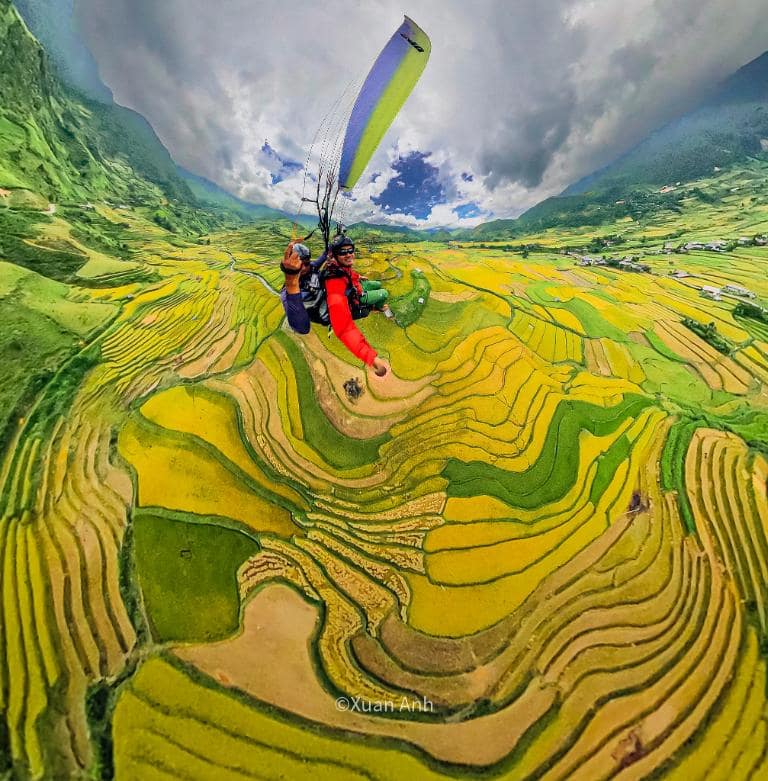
x,y
587,260
630,264
738,290
714,293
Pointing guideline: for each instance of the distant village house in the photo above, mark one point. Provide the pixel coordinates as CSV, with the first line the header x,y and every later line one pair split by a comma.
x,y
586,260
737,290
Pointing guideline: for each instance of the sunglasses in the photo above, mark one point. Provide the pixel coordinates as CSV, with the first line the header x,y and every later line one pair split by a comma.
x,y
342,253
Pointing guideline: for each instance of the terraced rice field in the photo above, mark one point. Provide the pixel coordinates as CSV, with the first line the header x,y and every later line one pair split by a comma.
x,y
537,549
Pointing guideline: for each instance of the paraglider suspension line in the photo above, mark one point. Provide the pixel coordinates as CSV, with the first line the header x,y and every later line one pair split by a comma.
x,y
327,193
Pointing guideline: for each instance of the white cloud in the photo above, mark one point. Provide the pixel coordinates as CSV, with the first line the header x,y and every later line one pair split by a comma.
x,y
526,96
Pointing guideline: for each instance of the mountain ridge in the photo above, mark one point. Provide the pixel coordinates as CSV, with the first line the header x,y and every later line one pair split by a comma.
x,y
736,115
53,25
728,128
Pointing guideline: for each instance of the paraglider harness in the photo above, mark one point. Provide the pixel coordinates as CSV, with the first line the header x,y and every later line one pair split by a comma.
x,y
313,295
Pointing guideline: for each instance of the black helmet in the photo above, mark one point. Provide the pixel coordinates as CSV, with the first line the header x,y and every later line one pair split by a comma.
x,y
339,242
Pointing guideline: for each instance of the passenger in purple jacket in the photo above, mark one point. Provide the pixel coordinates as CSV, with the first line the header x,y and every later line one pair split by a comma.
x,y
295,267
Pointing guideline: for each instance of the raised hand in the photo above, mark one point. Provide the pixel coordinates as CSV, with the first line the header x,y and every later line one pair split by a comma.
x,y
291,261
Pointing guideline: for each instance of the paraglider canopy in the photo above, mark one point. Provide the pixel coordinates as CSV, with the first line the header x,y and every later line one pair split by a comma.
x,y
384,91
388,85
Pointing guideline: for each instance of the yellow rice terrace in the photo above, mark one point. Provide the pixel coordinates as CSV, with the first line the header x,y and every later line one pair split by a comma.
x,y
537,548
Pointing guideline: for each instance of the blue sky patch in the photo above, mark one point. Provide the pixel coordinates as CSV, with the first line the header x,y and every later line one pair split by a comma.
x,y
415,189
284,167
464,210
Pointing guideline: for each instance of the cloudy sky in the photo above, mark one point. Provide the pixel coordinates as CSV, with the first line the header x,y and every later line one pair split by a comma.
x,y
520,97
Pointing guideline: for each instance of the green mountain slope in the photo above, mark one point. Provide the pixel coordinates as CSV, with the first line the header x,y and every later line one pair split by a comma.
x,y
68,148
726,133
727,128
210,194
53,24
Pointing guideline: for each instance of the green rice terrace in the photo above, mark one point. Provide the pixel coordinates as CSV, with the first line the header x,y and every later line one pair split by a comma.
x,y
536,549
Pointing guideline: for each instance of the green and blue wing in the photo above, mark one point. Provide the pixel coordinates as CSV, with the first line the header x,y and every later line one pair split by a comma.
x,y
387,86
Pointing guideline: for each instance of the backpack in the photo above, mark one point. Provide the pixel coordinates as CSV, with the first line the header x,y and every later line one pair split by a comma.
x,y
314,299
